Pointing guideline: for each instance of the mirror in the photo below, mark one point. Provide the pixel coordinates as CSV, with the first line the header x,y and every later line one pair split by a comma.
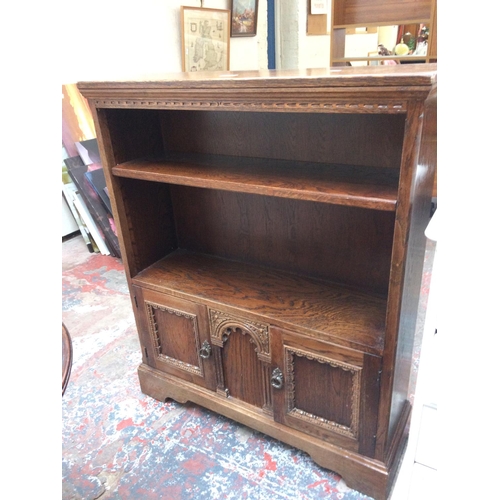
x,y
373,45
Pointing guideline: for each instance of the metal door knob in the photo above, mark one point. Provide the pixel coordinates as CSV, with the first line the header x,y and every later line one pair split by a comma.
x,y
206,350
277,378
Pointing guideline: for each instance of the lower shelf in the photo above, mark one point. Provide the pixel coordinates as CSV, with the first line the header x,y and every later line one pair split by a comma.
x,y
320,309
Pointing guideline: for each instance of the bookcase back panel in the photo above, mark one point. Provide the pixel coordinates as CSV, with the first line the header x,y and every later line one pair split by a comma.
x,y
363,139
351,246
134,133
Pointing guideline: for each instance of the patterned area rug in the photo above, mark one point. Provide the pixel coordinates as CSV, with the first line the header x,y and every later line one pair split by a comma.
x,y
118,443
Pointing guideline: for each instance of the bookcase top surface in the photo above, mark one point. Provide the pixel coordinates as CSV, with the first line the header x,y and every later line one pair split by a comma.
x,y
368,76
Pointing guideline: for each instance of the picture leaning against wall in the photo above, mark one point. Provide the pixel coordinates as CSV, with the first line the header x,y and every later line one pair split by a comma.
x,y
205,39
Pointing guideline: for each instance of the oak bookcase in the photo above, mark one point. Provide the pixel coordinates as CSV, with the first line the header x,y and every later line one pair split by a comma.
x,y
272,233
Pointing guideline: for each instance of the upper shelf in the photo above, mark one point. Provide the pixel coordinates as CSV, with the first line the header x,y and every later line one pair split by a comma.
x,y
377,24
364,187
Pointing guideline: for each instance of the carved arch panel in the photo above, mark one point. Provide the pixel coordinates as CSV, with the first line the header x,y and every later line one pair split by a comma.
x,y
242,357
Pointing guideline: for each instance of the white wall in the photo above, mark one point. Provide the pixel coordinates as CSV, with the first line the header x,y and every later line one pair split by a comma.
x,y
294,47
109,39
287,33
251,52
314,50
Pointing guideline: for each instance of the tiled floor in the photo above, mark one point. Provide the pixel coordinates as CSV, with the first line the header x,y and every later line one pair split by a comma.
x,y
118,443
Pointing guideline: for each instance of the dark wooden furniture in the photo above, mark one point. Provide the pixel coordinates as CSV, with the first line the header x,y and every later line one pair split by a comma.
x,y
352,14
272,231
67,357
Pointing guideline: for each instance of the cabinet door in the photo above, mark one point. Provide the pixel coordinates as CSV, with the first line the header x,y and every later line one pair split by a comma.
x,y
175,336
324,390
242,359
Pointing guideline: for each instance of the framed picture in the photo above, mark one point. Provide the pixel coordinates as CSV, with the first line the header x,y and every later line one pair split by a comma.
x,y
205,39
244,17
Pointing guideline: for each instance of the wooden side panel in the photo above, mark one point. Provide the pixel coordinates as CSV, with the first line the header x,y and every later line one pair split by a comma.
x,y
370,399
366,140
346,245
412,216
432,49
422,184
337,45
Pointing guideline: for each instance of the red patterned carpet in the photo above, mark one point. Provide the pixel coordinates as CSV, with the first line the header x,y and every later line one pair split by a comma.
x,y
118,443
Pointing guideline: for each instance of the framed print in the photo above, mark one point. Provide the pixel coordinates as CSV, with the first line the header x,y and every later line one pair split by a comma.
x,y
244,17
205,39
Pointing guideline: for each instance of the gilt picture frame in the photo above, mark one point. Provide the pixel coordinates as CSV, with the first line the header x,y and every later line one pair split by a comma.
x,y
244,17
205,39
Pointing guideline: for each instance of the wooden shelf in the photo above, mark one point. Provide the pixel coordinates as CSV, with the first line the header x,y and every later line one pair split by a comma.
x,y
314,307
364,12
381,23
413,59
364,187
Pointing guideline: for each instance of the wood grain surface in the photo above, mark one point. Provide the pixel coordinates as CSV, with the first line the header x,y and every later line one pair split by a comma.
x,y
340,184
315,307
292,202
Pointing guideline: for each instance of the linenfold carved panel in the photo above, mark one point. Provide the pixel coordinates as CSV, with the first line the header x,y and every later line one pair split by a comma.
x,y
352,430
151,308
